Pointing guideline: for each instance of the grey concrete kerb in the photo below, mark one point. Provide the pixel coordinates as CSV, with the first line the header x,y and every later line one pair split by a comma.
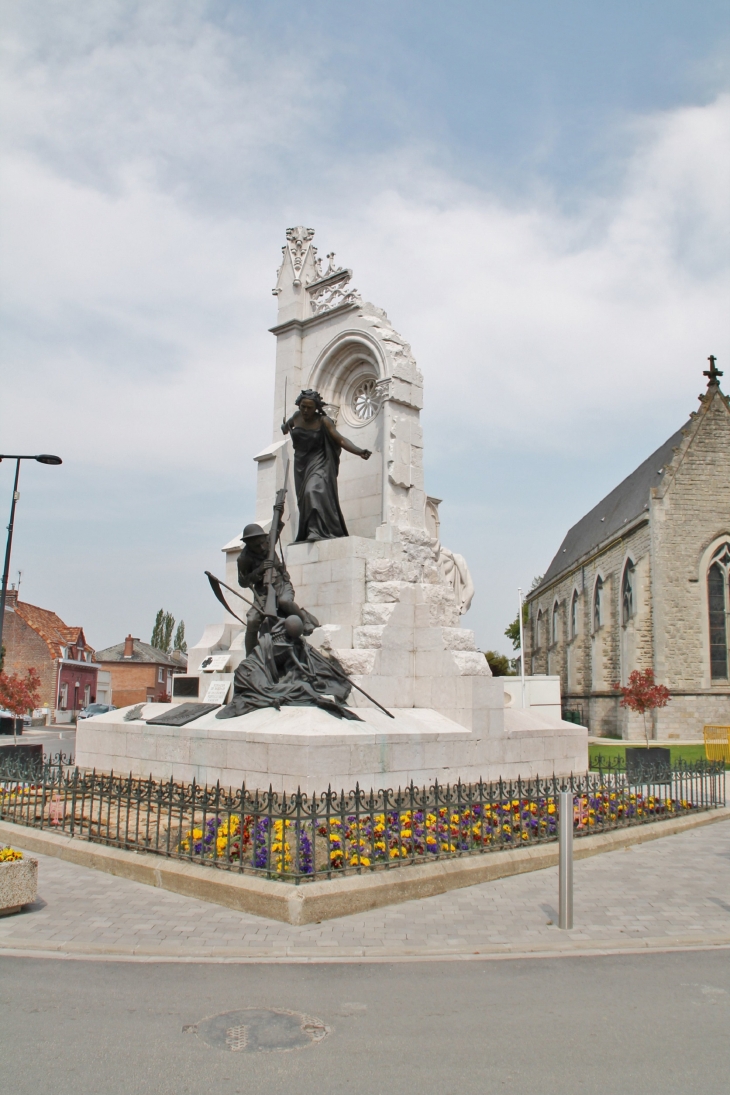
x,y
313,902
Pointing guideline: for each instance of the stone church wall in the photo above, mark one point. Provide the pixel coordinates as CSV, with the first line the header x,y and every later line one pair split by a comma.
x,y
591,661
690,514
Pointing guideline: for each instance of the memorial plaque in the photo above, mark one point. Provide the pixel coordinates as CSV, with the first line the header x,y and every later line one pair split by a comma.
x,y
180,716
186,686
217,692
215,663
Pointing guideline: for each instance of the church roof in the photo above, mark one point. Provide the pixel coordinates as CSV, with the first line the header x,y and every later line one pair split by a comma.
x,y
624,504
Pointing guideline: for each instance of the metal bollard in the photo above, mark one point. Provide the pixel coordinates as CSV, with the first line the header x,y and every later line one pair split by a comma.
x,y
565,869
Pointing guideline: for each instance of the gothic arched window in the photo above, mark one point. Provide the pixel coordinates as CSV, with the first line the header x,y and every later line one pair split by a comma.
x,y
598,605
555,625
718,598
628,606
538,630
574,615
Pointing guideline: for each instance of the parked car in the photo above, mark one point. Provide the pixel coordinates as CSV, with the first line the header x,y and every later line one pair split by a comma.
x,y
95,709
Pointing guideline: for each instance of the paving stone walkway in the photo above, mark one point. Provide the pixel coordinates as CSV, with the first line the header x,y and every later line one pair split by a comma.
x,y
668,893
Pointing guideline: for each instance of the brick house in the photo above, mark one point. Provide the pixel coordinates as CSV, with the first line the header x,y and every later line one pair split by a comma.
x,y
642,581
140,673
38,638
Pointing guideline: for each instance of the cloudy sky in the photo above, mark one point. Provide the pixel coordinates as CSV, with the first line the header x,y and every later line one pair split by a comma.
x,y
537,193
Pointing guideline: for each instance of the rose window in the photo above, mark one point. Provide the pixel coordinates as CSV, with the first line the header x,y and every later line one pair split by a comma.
x,y
366,400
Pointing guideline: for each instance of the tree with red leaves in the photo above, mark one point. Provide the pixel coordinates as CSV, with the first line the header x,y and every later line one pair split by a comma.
x,y
643,694
20,694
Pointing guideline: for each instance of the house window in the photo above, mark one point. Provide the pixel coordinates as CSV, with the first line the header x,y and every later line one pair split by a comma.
x,y
87,695
628,607
598,605
538,630
555,625
574,615
160,675
64,697
718,597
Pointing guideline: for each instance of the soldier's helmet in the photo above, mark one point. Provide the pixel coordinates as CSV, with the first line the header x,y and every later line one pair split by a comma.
x,y
251,532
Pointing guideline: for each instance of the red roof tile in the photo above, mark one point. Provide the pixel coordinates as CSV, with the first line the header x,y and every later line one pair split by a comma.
x,y
51,628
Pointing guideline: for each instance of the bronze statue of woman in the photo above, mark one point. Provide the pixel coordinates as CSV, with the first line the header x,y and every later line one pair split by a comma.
x,y
317,446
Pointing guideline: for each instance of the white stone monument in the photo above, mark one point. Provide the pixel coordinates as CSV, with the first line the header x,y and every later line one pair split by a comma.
x,y
389,596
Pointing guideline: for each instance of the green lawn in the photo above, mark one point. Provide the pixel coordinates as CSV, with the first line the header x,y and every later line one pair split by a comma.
x,y
688,753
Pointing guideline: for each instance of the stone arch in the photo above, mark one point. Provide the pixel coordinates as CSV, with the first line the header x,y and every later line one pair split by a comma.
x,y
598,602
574,625
349,361
628,606
574,630
599,629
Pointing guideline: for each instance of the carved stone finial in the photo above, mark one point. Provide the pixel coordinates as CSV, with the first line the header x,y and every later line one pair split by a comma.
x,y
298,242
713,374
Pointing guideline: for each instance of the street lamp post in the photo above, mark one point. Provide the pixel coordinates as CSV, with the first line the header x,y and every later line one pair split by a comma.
x,y
44,458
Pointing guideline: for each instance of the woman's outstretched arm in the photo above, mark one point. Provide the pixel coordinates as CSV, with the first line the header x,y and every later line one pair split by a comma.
x,y
348,445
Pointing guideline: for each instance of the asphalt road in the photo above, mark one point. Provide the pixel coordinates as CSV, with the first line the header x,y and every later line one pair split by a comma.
x,y
655,1023
54,740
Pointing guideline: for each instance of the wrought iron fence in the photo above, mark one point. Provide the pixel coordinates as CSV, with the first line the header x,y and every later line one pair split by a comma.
x,y
299,837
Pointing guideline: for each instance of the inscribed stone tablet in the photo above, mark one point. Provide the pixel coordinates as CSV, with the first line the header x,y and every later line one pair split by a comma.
x,y
179,716
217,692
215,663
185,686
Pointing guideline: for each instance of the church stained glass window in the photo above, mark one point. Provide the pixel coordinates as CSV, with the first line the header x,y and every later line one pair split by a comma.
x,y
574,615
598,605
555,629
538,630
718,597
627,593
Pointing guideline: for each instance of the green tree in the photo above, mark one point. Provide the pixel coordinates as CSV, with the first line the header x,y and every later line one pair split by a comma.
x,y
180,643
162,631
500,664
513,631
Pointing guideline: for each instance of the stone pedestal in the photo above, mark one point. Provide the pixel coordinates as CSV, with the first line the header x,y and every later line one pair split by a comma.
x,y
303,747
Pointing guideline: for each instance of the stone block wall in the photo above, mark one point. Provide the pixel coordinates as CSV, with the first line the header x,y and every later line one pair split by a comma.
x,y
690,512
590,662
393,622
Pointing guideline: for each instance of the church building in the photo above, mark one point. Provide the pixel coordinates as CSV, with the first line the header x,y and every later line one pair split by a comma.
x,y
642,581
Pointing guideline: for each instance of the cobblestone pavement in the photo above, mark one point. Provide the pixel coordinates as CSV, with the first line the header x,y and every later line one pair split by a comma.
x,y
668,893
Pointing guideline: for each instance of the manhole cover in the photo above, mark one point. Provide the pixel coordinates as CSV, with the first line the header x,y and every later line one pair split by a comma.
x,y
267,1029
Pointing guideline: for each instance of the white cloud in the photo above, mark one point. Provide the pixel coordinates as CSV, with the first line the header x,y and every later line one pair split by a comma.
x,y
550,321
152,163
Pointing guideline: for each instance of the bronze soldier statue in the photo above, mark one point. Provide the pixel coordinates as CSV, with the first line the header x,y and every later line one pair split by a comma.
x,y
253,566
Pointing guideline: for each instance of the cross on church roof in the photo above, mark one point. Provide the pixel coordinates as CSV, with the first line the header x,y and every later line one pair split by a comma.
x,y
712,373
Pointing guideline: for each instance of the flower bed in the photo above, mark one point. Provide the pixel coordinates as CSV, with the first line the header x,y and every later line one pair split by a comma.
x,y
298,837
284,846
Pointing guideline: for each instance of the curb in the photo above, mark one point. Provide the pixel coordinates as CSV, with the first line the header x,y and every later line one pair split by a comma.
x,y
312,902
82,953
